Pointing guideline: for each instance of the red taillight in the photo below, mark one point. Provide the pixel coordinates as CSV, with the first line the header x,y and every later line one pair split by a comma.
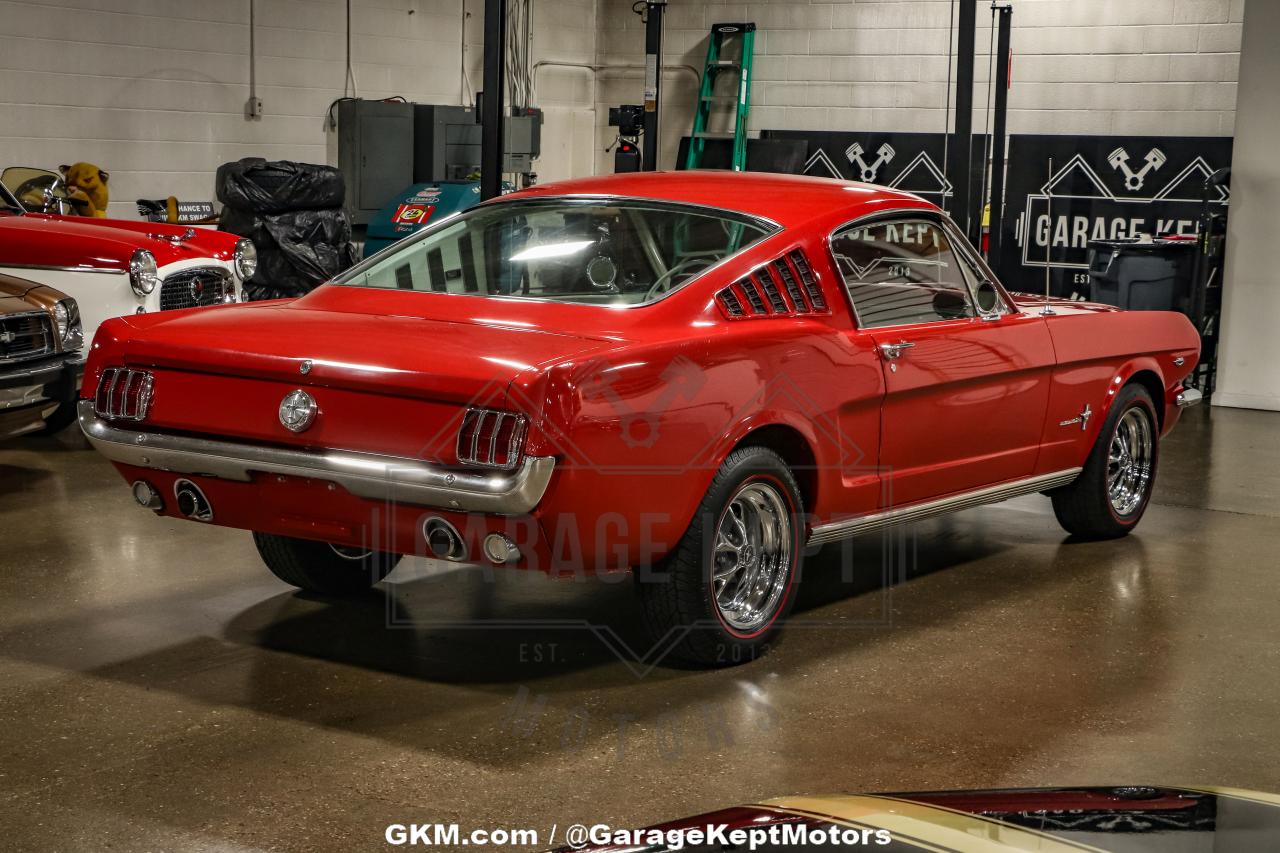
x,y
491,438
123,394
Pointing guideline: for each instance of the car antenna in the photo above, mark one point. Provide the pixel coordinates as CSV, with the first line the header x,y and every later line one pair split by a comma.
x,y
1047,310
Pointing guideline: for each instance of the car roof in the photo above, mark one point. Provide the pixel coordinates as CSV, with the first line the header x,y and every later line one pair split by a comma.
x,y
789,200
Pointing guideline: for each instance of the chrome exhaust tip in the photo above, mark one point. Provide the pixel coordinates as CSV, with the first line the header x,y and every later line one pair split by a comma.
x,y
192,502
443,540
147,496
500,549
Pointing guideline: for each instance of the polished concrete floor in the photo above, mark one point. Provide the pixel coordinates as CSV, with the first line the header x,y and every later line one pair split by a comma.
x,y
161,691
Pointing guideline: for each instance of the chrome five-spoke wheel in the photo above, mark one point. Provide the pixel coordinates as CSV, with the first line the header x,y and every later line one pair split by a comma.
x,y
720,596
1129,461
752,558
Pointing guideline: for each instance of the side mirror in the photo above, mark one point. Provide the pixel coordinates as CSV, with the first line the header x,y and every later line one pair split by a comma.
x,y
988,298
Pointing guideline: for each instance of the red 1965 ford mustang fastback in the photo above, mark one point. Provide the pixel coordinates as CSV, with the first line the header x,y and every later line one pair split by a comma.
x,y
698,376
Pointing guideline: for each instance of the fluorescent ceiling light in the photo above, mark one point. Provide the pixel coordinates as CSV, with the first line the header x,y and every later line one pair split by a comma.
x,y
552,250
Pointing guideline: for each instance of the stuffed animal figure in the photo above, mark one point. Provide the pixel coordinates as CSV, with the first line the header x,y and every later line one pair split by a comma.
x,y
87,188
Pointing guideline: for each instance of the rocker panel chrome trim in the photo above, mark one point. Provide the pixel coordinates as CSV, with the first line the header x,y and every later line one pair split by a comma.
x,y
366,475
836,530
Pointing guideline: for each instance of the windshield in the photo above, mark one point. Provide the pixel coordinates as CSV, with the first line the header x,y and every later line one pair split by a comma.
x,y
614,252
7,201
32,188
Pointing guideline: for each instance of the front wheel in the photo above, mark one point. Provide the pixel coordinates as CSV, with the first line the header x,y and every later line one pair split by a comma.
x,y
1109,497
721,594
323,568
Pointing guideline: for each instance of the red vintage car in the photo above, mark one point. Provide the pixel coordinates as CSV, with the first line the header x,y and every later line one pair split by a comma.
x,y
698,376
113,267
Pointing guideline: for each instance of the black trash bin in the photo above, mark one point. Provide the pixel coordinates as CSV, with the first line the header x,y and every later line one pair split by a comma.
x,y
1154,275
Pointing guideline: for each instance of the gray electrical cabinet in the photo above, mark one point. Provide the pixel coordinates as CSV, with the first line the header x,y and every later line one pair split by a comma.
x,y
385,146
375,153
447,142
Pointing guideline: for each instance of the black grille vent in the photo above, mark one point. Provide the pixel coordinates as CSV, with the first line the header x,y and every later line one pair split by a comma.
x,y
194,288
729,300
25,335
792,286
762,293
810,282
776,302
753,296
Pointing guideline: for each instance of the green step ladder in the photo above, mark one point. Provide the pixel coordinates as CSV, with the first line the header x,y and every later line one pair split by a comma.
x,y
718,62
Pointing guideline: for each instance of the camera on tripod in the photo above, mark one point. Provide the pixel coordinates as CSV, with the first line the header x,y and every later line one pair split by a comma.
x,y
628,119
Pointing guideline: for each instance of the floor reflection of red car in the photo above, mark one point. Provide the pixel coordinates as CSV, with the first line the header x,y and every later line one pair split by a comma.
x,y
695,375
1066,820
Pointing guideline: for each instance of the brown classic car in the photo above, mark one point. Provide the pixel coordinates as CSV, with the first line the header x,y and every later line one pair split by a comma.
x,y
40,359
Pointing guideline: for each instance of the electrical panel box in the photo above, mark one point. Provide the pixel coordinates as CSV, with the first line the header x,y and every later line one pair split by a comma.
x,y
375,153
447,142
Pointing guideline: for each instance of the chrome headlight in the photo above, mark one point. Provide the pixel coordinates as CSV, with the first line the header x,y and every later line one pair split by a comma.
x,y
246,259
144,275
66,314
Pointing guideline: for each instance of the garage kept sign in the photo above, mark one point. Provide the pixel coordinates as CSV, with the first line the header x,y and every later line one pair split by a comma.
x,y
1100,188
914,162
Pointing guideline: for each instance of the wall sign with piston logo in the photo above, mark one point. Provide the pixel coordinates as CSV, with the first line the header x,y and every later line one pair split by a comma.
x,y
1100,188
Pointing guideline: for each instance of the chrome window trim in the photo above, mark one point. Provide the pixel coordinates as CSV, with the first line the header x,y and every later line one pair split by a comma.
x,y
931,214
978,269
50,268
366,475
770,227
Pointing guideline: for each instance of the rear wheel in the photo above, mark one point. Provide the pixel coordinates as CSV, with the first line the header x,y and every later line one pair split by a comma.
x,y
321,567
1109,497
721,594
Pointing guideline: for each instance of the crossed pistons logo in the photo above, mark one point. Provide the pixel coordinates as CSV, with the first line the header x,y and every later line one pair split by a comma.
x,y
1133,180
884,154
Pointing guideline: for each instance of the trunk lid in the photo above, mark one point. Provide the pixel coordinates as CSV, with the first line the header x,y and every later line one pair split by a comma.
x,y
389,383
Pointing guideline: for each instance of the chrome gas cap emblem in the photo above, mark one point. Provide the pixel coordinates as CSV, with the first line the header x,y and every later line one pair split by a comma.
x,y
297,411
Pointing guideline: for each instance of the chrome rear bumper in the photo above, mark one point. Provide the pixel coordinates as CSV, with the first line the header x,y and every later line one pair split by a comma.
x,y
1188,397
367,475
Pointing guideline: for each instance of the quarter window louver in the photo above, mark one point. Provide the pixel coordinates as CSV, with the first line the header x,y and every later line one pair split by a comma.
x,y
770,287
792,286
753,296
731,303
787,287
807,278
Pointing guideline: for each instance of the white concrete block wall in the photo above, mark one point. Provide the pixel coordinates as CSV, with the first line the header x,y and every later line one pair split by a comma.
x,y
1080,66
154,90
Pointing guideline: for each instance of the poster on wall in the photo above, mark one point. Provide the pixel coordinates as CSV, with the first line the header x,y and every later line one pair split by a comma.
x,y
914,162
1098,188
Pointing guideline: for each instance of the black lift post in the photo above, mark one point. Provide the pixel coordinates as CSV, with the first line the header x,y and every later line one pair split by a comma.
x,y
999,125
655,11
960,163
493,102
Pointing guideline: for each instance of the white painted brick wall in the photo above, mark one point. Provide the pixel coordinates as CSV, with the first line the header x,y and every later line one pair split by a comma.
x,y
1080,66
154,90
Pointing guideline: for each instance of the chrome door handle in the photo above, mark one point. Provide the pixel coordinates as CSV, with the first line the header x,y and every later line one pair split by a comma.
x,y
894,351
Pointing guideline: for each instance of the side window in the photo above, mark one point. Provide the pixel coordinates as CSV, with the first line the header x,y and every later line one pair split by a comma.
x,y
900,272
